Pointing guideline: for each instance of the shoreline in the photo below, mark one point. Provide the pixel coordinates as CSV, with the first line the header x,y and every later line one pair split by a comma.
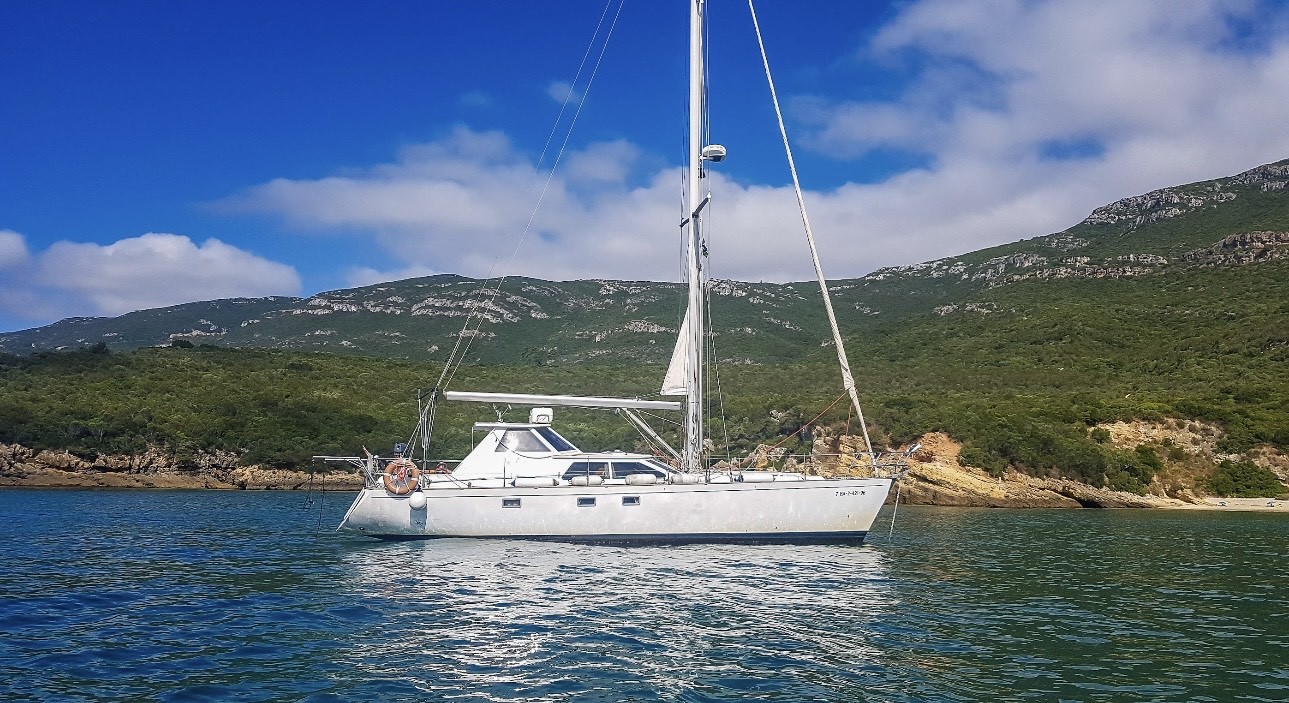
x,y
934,476
238,479
917,491
1264,505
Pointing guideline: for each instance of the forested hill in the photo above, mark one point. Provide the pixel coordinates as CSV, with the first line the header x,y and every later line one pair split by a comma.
x,y
1169,310
1179,257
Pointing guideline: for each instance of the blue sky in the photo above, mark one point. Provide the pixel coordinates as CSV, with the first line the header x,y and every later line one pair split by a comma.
x,y
153,153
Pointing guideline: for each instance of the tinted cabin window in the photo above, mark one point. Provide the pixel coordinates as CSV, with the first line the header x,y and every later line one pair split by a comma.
x,y
631,500
521,441
585,502
587,468
622,469
552,437
658,465
510,502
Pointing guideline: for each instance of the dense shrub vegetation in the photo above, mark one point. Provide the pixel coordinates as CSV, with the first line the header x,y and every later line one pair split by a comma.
x,y
280,408
1242,479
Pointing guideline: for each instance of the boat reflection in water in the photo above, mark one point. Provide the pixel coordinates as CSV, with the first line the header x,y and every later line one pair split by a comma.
x,y
536,621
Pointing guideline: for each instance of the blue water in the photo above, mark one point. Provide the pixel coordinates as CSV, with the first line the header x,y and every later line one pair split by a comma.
x,y
196,596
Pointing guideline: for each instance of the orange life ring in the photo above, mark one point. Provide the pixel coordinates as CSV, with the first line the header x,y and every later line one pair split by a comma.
x,y
401,476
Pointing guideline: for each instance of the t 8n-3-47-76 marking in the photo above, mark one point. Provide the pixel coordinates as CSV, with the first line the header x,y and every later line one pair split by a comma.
x,y
850,493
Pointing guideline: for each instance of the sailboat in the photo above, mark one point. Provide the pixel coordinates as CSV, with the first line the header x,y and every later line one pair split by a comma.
x,y
525,480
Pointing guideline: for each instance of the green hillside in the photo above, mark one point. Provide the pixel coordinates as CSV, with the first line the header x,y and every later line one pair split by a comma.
x,y
1169,305
1148,238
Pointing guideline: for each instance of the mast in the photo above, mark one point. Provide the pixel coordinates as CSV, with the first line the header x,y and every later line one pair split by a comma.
x,y
693,450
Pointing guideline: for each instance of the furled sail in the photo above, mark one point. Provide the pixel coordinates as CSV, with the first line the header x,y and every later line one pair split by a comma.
x,y
674,382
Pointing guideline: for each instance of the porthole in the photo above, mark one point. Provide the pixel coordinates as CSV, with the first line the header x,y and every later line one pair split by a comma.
x,y
586,502
631,500
510,502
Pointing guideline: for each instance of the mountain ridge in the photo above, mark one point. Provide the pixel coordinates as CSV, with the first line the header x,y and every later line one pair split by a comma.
x,y
1232,221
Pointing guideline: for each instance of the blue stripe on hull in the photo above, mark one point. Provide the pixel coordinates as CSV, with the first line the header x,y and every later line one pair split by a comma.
x,y
853,538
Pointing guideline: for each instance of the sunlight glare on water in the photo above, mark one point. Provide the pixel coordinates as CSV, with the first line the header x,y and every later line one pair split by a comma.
x,y
537,617
242,596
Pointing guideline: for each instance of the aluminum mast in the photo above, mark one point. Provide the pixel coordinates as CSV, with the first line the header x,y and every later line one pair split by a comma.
x,y
693,450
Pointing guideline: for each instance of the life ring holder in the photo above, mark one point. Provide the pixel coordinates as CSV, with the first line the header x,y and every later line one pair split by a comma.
x,y
401,477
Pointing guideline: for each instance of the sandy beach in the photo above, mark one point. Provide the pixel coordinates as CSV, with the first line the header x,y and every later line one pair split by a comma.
x,y
1242,504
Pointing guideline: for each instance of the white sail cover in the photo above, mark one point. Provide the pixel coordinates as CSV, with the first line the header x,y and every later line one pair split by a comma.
x,y
677,371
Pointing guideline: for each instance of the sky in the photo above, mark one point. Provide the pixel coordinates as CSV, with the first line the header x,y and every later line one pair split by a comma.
x,y
156,153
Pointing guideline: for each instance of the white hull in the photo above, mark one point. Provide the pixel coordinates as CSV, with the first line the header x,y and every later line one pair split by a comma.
x,y
837,510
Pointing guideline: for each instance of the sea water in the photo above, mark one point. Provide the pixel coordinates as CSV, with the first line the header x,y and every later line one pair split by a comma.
x,y
244,596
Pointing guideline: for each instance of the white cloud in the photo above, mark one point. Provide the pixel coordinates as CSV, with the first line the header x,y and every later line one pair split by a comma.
x,y
16,294
13,249
151,270
605,162
1030,114
561,92
360,276
461,204
1025,115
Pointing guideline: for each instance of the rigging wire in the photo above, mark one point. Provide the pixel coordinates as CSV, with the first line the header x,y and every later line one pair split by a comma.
x,y
706,128
660,418
720,395
711,337
811,422
653,445
682,251
468,334
848,381
898,485
487,293
576,77
550,176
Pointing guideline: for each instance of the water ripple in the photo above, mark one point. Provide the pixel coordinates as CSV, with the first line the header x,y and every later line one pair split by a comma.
x,y
204,596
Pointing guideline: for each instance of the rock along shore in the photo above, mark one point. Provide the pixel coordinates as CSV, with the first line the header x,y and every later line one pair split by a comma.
x,y
935,477
23,467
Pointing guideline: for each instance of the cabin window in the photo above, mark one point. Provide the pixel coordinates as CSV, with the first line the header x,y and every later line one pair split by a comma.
x,y
664,468
510,502
622,469
521,441
587,468
586,502
552,438
631,500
